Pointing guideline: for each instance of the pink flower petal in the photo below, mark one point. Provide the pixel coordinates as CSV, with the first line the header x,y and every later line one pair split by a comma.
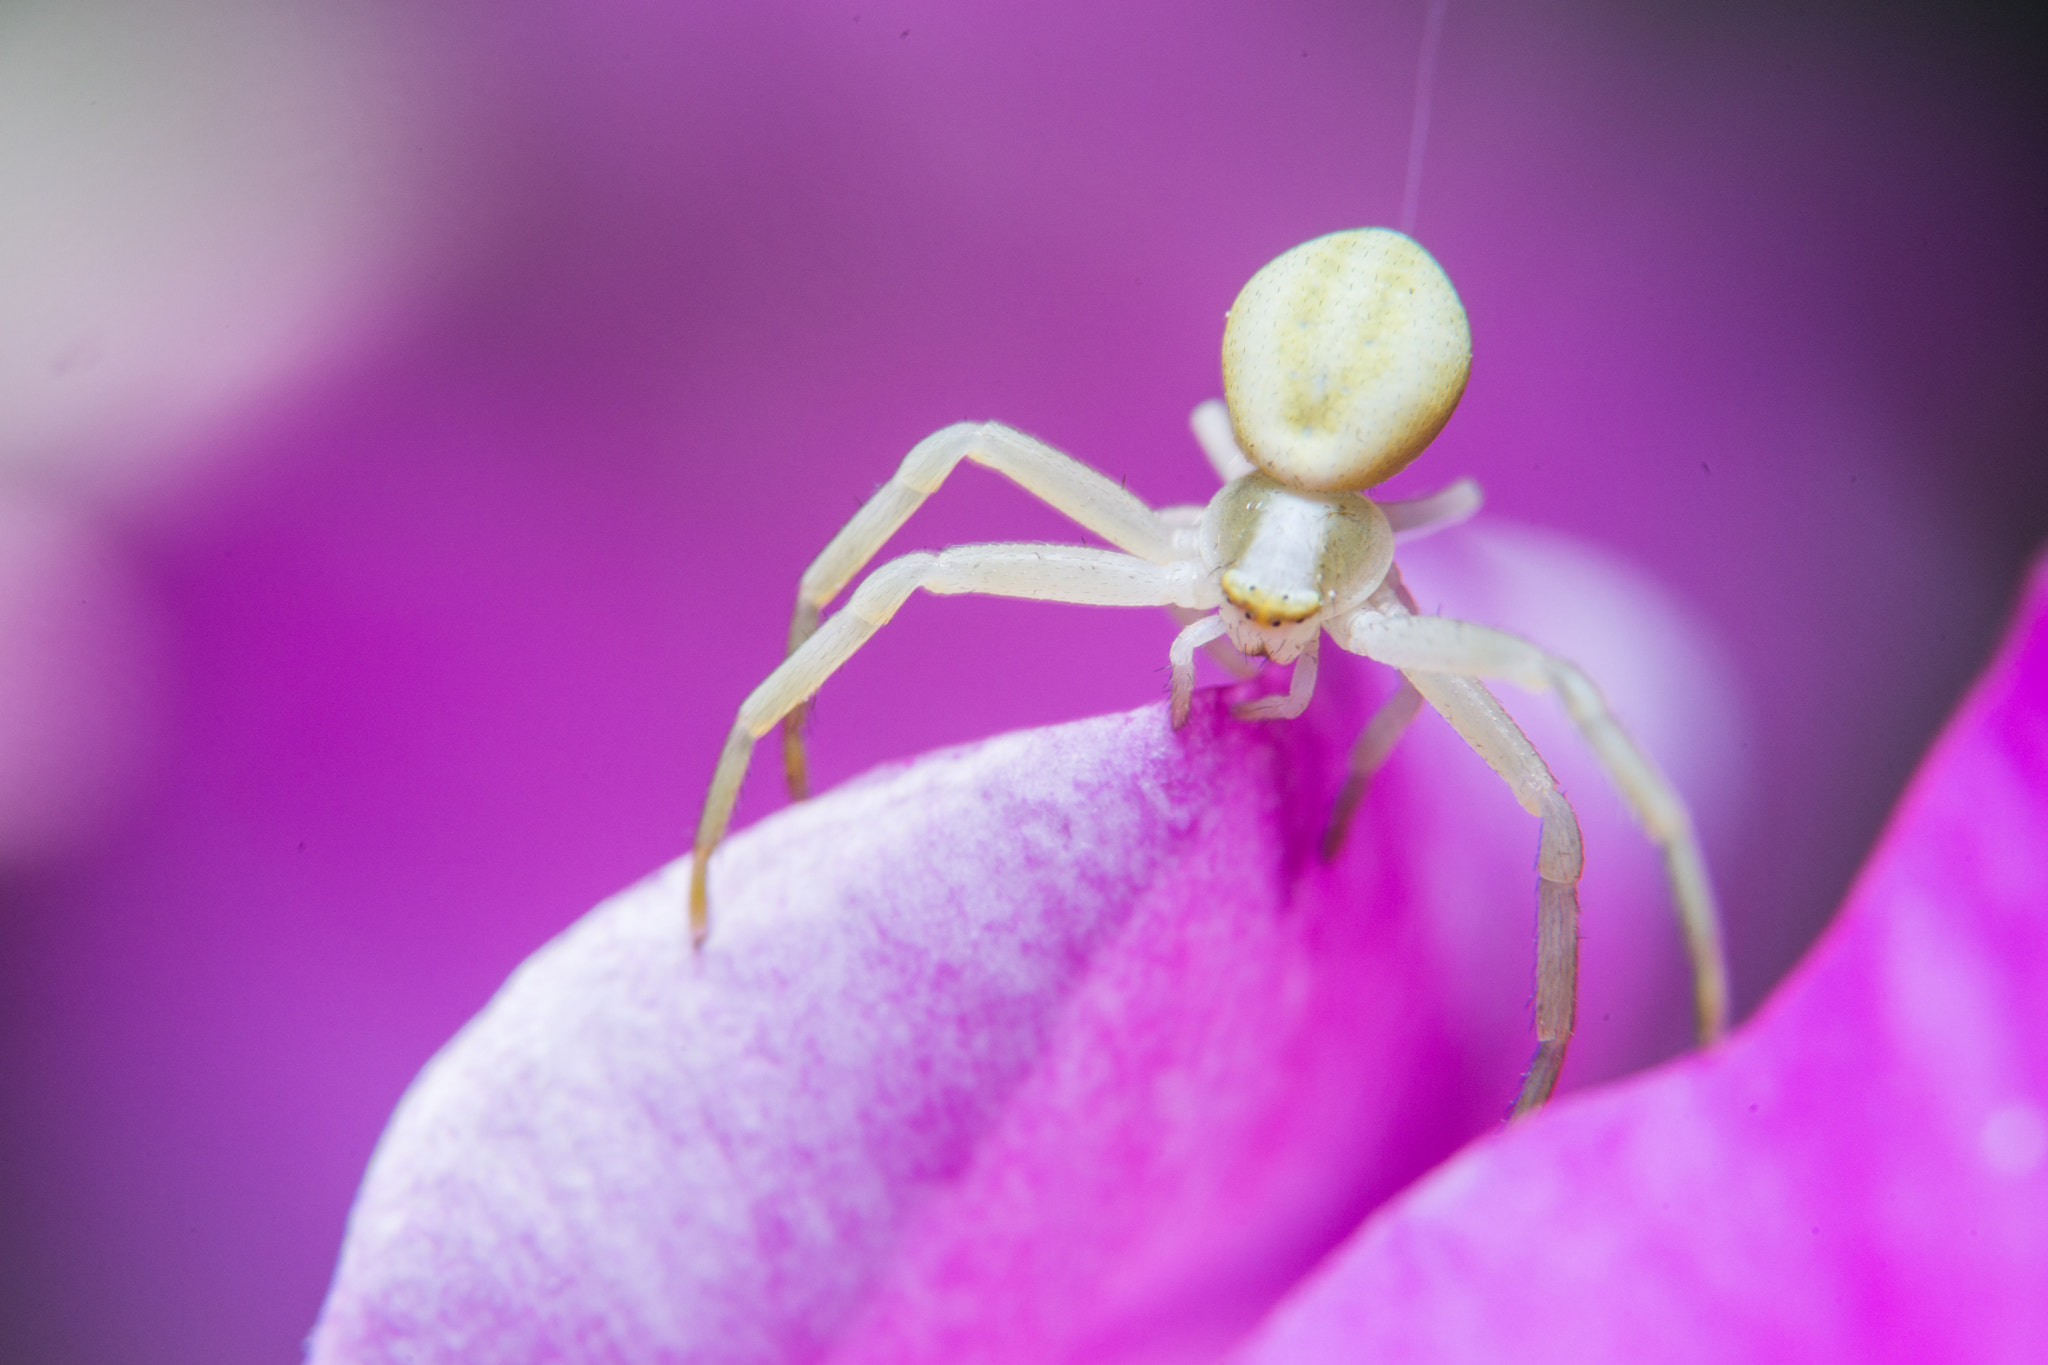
x,y
1062,1046
1861,1174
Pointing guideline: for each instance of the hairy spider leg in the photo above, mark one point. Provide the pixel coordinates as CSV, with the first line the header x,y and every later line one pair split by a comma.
x,y
1090,498
1054,573
1484,724
1424,645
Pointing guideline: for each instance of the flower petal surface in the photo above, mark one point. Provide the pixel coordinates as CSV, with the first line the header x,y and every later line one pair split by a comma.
x,y
1860,1174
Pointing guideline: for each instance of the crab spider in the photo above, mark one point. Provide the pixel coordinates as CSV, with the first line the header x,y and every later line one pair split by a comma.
x,y
1342,360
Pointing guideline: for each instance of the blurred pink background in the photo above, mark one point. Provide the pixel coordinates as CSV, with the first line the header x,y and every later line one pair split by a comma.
x,y
413,423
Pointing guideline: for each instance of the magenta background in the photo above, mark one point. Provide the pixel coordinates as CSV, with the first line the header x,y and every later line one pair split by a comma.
x,y
450,639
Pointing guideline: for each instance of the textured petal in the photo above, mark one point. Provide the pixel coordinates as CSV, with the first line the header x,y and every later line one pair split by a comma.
x,y
636,1154
1063,1046
1861,1174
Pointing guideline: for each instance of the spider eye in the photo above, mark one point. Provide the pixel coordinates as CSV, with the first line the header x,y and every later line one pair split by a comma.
x,y
1271,607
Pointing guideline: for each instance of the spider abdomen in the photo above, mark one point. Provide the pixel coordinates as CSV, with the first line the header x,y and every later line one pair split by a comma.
x,y
1343,358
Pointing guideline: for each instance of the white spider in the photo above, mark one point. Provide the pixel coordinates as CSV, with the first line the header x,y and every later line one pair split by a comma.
x,y
1341,362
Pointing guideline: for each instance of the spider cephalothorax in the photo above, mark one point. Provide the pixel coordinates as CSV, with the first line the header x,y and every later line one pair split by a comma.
x,y
1285,559
1342,360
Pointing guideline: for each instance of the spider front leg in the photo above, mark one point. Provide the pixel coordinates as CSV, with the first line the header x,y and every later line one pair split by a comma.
x,y
1420,645
1056,573
1090,498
